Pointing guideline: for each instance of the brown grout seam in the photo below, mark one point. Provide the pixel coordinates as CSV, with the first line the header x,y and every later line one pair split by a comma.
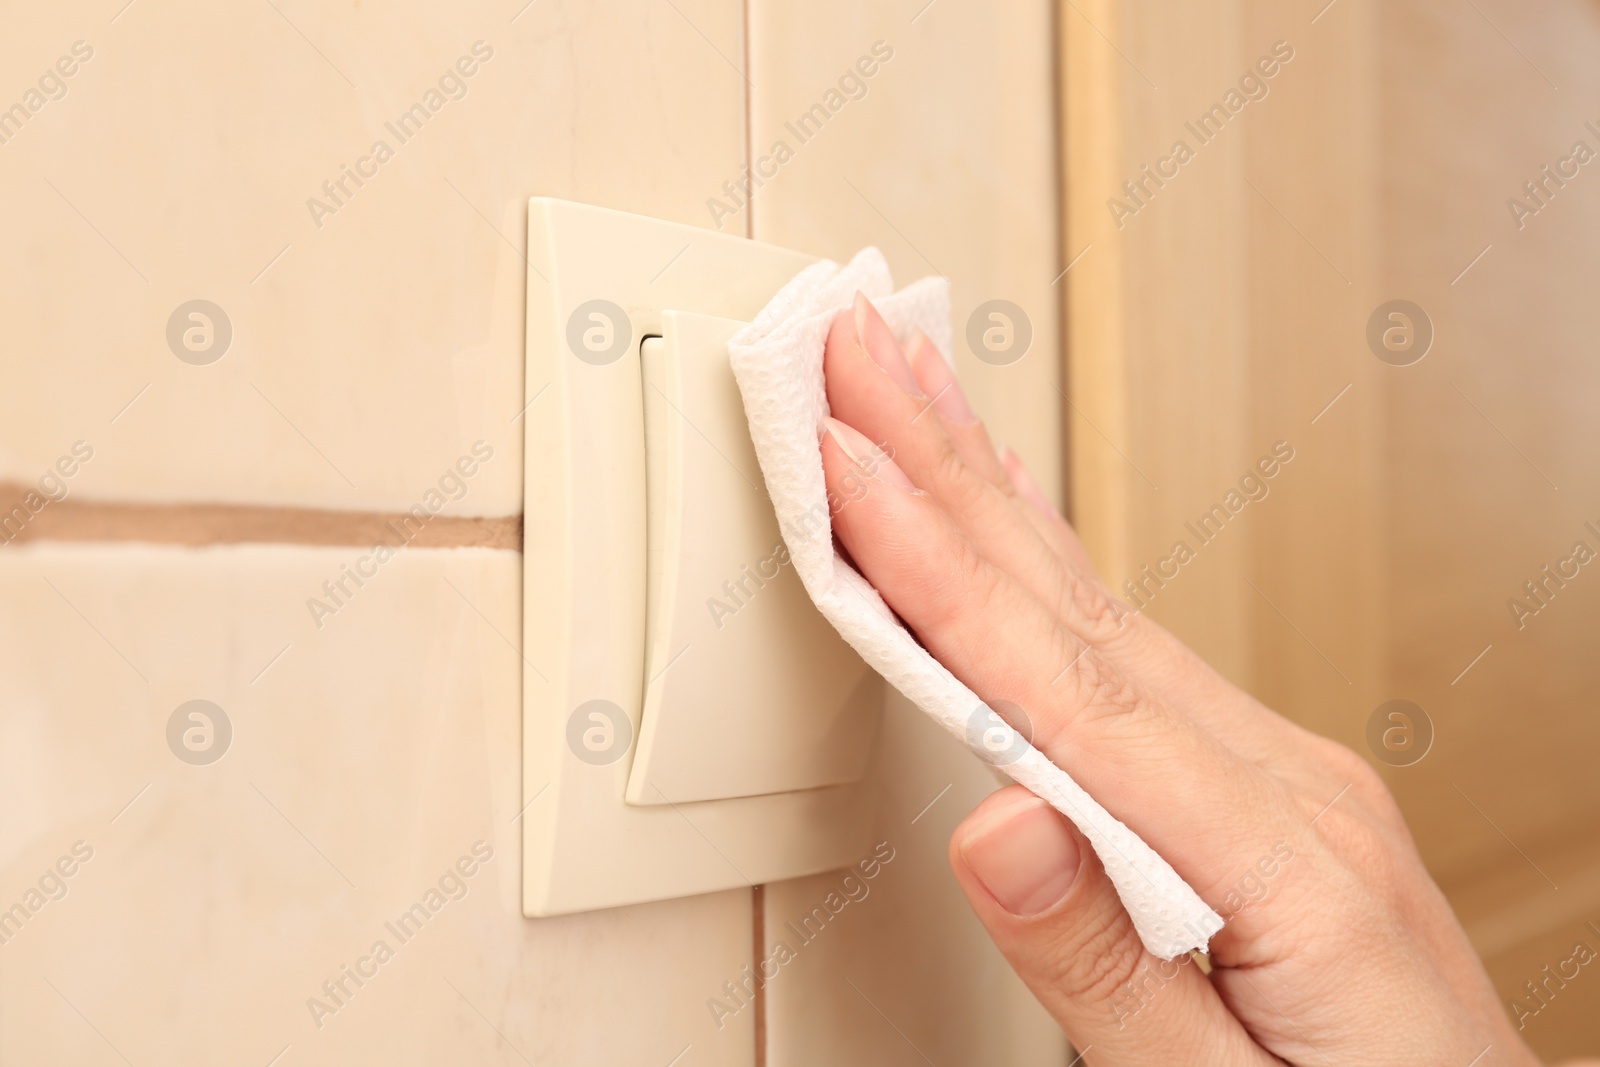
x,y
758,912
199,525
749,130
758,893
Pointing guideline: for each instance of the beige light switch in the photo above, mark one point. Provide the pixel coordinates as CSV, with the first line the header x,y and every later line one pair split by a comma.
x,y
748,689
668,748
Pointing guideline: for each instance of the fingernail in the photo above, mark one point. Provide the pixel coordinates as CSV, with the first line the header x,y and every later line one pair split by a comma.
x,y
877,340
1025,856
872,460
939,382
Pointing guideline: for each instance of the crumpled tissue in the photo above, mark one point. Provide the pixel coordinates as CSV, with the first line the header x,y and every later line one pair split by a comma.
x,y
777,360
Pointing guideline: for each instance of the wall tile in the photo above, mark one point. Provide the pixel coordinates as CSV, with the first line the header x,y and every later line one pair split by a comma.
x,y
904,974
944,157
367,758
370,346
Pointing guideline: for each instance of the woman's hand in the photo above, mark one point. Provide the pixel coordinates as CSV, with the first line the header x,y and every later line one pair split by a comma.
x,y
1338,948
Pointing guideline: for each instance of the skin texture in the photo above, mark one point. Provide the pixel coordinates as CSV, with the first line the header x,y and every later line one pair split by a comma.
x,y
1338,948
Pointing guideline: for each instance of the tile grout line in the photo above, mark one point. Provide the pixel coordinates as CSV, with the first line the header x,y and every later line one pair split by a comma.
x,y
206,524
758,915
749,145
758,894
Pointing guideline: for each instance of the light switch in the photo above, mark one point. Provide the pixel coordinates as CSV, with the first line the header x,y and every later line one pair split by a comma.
x,y
690,722
748,689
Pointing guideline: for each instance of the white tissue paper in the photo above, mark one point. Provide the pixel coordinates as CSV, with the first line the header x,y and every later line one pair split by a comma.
x,y
777,360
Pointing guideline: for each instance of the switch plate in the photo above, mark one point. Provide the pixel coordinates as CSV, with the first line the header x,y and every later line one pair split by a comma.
x,y
599,282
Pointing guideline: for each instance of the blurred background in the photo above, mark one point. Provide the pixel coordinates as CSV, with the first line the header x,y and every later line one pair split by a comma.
x,y
1356,238
1437,471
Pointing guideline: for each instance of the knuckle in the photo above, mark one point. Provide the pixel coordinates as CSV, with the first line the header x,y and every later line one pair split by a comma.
x,y
979,579
1365,856
1097,694
1092,608
1365,782
1341,759
959,487
1103,693
1345,835
967,581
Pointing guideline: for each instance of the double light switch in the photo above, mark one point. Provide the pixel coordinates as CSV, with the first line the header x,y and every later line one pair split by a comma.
x,y
691,722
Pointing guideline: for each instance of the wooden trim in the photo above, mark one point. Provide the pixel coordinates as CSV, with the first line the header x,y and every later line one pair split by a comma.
x,y
1093,319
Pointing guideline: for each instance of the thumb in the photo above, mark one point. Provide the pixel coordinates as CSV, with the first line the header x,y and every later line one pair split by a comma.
x,y
1041,892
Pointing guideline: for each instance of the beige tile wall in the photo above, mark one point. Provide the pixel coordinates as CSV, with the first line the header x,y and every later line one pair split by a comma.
x,y
946,161
903,974
365,761
384,341
366,358
371,347
943,156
